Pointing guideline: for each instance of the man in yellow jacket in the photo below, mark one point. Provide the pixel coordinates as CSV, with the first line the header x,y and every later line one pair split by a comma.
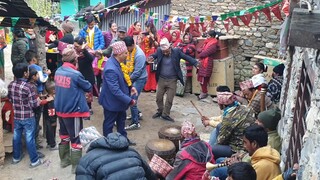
x,y
264,159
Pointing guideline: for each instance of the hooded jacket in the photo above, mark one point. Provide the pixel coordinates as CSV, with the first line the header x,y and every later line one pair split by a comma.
x,y
19,48
111,158
70,100
190,163
265,162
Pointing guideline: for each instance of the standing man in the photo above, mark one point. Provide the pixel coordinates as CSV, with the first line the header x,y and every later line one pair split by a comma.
x,y
71,107
275,84
92,34
116,87
121,34
167,73
136,64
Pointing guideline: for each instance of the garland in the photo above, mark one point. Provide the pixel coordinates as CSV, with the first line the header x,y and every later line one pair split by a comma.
x,y
130,60
125,72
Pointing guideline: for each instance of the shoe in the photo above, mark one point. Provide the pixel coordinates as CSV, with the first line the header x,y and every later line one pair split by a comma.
x,y
75,157
129,117
133,126
91,112
202,96
131,143
64,154
140,115
156,115
41,155
16,161
168,118
38,163
53,148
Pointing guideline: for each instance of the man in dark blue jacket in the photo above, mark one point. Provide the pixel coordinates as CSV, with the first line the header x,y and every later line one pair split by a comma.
x,y
70,106
110,158
167,74
115,94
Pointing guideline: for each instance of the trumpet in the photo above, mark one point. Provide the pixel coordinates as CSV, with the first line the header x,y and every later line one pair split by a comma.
x,y
210,166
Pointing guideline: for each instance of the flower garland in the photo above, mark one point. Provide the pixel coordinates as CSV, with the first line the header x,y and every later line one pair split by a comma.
x,y
146,45
130,60
125,72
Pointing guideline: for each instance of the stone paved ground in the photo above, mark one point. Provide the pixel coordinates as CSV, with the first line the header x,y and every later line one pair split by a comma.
x,y
182,110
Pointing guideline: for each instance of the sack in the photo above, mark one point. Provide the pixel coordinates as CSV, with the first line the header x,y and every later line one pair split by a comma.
x,y
160,166
153,67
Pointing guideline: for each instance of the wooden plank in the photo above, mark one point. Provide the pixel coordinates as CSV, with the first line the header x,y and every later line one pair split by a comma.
x,y
304,29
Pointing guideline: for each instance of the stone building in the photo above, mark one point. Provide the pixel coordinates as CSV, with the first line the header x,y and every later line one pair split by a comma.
x,y
260,38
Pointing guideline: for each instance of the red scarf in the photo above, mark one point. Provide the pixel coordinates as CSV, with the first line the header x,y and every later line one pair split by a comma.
x,y
132,31
207,43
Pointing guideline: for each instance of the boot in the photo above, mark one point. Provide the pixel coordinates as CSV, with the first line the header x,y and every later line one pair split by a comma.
x,y
64,154
75,158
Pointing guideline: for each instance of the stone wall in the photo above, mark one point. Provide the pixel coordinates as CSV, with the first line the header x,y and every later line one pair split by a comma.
x,y
261,38
309,161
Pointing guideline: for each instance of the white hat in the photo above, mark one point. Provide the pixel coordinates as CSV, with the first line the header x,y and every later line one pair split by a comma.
x,y
164,44
88,135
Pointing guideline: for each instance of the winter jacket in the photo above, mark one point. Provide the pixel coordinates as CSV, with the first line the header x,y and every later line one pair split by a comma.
x,y
32,42
190,162
115,93
85,66
265,161
70,100
19,48
176,55
98,41
67,38
111,159
107,36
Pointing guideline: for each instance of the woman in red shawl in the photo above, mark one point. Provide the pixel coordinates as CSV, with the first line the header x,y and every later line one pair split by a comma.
x,y
165,32
175,38
135,32
188,47
206,62
149,46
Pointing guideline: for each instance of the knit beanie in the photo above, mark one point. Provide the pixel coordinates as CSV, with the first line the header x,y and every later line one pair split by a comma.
x,y
69,54
67,26
88,135
279,69
270,118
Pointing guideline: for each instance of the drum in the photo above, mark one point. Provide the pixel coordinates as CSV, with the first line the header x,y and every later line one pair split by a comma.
x,y
163,148
172,133
160,166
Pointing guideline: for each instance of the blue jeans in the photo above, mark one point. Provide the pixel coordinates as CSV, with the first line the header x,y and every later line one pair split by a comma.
x,y
214,135
221,173
138,84
29,127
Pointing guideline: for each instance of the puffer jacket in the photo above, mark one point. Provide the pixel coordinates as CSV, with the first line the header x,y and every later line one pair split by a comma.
x,y
19,48
98,41
111,159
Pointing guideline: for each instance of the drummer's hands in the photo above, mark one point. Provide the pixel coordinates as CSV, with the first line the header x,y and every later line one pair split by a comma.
x,y
205,120
233,159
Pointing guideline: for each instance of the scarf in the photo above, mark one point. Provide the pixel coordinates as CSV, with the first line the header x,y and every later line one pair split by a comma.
x,y
230,109
206,45
132,31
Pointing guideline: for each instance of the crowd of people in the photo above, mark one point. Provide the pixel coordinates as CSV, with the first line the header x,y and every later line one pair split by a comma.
x,y
116,66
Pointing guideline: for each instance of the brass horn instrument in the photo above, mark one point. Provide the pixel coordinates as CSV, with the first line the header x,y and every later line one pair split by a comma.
x,y
210,166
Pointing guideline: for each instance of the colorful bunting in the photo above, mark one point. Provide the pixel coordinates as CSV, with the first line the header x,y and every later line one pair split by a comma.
x,y
201,19
155,20
226,24
235,21
197,19
166,18
191,19
276,11
267,12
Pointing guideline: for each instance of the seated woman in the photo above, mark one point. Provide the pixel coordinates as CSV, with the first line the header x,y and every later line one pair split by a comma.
x,y
191,159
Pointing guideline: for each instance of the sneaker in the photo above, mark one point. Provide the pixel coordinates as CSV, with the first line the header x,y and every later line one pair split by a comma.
x,y
129,117
16,161
41,155
167,118
38,163
202,96
140,115
156,115
53,148
91,112
133,126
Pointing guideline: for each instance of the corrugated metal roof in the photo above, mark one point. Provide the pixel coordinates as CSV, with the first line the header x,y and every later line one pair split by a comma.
x,y
122,4
19,8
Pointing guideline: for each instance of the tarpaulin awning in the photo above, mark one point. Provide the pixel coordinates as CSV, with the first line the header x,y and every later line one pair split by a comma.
x,y
17,13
